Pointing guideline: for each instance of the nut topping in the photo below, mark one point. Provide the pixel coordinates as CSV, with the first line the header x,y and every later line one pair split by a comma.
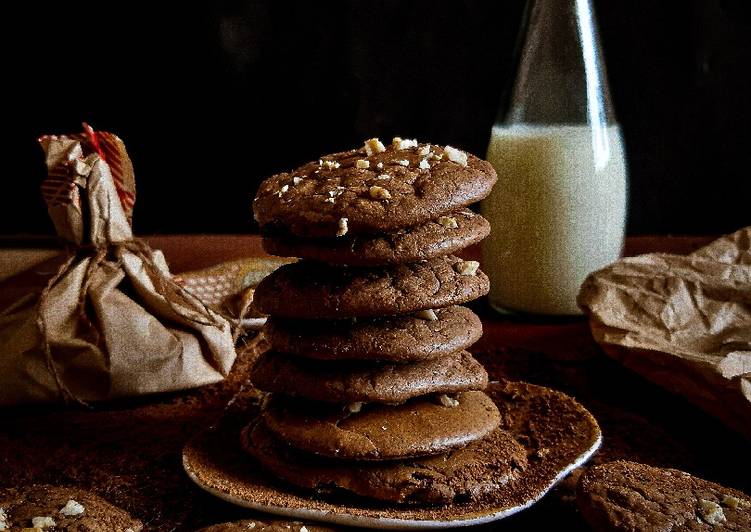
x,y
374,146
343,226
448,221
379,193
467,267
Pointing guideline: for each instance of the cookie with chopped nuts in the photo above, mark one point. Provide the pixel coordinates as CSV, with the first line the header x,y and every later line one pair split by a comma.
x,y
442,236
265,526
353,383
420,427
373,189
43,506
480,468
628,496
314,290
410,337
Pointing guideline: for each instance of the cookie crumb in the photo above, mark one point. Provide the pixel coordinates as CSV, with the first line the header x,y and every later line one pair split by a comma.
x,y
296,180
379,193
331,165
402,162
457,156
374,145
424,150
43,522
72,508
403,144
467,267
343,226
424,164
362,164
447,401
711,512
448,221
428,314
354,408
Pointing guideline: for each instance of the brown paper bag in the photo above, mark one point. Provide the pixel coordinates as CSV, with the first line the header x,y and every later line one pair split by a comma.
x,y
683,322
110,322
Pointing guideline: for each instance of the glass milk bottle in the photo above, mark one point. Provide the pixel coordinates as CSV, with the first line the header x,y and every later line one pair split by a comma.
x,y
558,210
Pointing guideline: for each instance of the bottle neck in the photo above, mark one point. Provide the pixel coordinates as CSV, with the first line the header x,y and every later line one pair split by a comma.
x,y
561,77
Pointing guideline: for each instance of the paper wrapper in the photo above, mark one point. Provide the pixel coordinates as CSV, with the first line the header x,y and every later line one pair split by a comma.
x,y
683,322
110,322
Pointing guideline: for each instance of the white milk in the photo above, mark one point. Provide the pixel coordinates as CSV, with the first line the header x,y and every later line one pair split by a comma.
x,y
557,213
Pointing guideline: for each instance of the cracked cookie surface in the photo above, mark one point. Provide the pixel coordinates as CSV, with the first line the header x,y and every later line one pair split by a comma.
x,y
419,427
441,236
346,383
628,496
313,290
480,468
396,190
398,338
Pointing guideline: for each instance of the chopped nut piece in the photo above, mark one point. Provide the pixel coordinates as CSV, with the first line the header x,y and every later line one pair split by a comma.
x,y
343,226
354,407
377,192
424,164
362,163
458,156
734,502
43,522
448,221
379,166
424,150
403,144
303,528
330,200
402,162
72,508
331,164
384,176
447,401
428,314
296,180
467,267
711,512
374,146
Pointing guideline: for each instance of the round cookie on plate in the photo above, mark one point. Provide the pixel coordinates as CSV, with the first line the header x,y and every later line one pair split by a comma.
x,y
43,506
352,382
306,290
423,335
372,190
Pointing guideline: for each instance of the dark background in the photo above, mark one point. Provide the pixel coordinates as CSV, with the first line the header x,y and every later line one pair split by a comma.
x,y
211,97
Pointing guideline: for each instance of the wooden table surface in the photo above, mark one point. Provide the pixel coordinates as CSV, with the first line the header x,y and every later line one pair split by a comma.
x,y
129,452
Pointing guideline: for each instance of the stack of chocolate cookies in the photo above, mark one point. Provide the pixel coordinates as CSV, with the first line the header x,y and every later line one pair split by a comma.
x,y
372,389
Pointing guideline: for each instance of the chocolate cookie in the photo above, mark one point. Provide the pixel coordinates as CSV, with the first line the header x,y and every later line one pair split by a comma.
x,y
44,507
420,427
262,526
468,473
353,382
630,496
442,236
405,338
314,290
357,192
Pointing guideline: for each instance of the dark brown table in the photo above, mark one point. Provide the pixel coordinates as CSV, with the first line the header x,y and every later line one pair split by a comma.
x,y
129,451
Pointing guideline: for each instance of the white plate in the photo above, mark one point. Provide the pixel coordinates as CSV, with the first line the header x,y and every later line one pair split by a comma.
x,y
203,459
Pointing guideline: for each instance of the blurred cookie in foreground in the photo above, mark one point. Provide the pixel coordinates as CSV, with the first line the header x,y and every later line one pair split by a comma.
x,y
628,496
46,507
265,526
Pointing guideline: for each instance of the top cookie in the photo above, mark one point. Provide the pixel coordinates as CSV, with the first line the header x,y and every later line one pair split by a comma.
x,y
373,189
